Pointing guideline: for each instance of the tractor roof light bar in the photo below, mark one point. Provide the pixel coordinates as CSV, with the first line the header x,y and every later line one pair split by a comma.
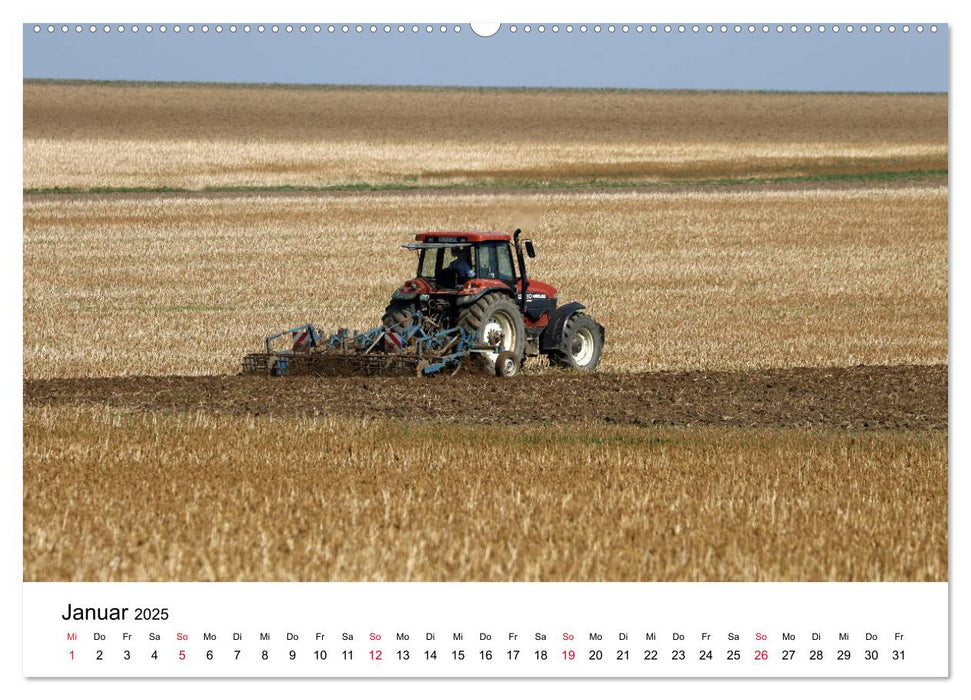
x,y
436,246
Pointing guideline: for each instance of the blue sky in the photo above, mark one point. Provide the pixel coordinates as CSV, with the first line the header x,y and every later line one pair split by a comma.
x,y
825,61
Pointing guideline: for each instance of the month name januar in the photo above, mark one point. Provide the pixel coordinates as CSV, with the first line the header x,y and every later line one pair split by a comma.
x,y
76,613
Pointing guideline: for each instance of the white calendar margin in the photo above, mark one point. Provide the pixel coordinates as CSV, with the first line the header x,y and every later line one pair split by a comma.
x,y
917,611
435,10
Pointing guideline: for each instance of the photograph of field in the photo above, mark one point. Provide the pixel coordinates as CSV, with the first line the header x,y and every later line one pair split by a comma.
x,y
770,268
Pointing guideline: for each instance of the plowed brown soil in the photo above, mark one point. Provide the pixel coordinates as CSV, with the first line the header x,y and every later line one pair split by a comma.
x,y
858,398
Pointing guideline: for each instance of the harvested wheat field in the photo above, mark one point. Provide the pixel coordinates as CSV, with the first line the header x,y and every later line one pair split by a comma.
x,y
111,494
152,136
771,270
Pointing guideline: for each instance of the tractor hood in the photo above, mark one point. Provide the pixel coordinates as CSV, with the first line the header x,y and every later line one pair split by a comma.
x,y
537,289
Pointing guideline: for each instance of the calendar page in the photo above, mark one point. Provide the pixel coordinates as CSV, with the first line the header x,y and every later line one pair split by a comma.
x,y
526,349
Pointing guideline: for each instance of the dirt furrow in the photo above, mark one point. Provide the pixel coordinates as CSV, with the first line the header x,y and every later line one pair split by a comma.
x,y
856,398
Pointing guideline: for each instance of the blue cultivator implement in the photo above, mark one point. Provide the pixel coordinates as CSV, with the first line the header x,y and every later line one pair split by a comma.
x,y
415,348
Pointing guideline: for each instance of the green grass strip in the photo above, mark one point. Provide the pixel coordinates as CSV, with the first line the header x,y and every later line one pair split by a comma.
x,y
496,184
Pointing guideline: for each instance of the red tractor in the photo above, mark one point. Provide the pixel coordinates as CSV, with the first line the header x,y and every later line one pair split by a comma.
x,y
469,280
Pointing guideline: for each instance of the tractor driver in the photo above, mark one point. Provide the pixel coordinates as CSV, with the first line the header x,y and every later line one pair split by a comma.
x,y
462,265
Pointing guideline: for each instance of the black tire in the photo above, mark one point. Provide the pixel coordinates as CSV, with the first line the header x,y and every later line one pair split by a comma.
x,y
399,312
485,317
507,365
582,344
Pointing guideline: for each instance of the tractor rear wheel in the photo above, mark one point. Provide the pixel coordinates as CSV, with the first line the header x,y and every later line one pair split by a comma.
x,y
494,319
582,344
399,313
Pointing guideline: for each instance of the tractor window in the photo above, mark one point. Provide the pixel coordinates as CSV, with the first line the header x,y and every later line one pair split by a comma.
x,y
449,257
495,262
435,265
426,264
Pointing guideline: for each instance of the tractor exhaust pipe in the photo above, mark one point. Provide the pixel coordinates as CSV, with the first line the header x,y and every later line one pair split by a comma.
x,y
522,269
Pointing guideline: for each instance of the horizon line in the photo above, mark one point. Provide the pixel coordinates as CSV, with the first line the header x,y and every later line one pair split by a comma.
x,y
411,86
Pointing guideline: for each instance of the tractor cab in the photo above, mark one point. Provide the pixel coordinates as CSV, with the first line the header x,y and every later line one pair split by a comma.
x,y
450,261
468,265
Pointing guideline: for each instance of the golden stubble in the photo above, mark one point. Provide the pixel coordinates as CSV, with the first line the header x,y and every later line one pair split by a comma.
x,y
93,135
115,495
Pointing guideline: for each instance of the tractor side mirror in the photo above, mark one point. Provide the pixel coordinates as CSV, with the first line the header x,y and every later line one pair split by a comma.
x,y
530,250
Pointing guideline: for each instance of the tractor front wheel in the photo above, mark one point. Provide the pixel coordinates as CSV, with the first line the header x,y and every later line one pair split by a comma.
x,y
507,365
494,319
582,344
